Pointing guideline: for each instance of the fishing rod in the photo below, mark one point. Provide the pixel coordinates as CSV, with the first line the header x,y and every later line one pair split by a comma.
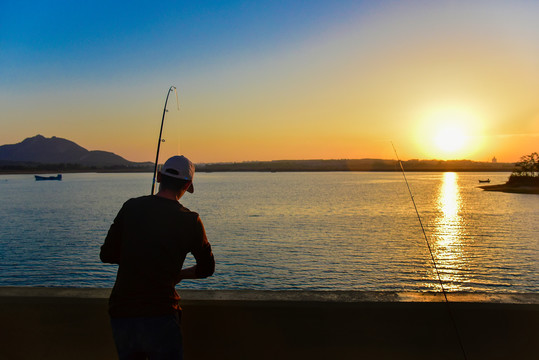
x,y
432,256
161,133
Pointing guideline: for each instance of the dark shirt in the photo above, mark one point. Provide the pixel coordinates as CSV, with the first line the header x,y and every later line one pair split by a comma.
x,y
149,239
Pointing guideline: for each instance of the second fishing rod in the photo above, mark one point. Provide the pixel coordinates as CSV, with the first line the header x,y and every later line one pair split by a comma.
x,y
450,313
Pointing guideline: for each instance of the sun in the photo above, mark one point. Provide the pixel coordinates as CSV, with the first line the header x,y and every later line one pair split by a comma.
x,y
449,134
450,138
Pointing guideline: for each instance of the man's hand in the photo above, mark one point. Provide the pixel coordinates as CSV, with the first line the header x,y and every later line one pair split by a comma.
x,y
187,273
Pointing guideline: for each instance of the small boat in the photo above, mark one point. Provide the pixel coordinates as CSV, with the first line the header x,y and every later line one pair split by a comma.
x,y
57,177
484,181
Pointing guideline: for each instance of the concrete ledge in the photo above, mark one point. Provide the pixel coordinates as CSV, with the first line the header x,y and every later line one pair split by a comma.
x,y
72,323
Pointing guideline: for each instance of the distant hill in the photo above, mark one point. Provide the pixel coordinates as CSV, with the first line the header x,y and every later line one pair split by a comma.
x,y
41,150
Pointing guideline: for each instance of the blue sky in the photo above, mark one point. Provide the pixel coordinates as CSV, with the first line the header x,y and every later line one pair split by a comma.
x,y
64,41
263,80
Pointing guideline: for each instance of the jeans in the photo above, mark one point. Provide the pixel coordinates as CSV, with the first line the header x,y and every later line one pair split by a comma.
x,y
152,338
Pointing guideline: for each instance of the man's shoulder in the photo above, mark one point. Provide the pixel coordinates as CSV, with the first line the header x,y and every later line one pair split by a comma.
x,y
138,200
152,201
186,210
146,201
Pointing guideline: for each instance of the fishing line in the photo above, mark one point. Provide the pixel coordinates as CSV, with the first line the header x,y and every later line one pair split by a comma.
x,y
178,132
431,255
171,133
161,133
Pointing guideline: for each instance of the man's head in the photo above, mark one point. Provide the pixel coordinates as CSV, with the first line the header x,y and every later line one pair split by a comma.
x,y
176,174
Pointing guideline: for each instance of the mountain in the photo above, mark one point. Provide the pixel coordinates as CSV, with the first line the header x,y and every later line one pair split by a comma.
x,y
42,150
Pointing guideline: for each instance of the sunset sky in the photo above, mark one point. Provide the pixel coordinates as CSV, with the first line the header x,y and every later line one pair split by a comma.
x,y
269,80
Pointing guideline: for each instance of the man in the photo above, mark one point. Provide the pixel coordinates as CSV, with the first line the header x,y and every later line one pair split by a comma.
x,y
149,239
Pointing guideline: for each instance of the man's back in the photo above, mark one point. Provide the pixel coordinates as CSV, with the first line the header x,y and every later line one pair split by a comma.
x,y
149,239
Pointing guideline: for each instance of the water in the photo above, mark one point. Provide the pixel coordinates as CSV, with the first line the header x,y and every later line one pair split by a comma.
x,y
279,231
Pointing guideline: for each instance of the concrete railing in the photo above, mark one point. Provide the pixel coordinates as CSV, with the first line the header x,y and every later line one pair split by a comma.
x,y
62,323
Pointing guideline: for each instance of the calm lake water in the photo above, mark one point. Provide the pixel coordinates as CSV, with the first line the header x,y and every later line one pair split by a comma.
x,y
278,231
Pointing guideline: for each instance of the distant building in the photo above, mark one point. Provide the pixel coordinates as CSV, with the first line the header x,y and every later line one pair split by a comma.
x,y
494,160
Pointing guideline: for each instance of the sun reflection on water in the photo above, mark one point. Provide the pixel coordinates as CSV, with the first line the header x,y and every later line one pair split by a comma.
x,y
449,197
449,234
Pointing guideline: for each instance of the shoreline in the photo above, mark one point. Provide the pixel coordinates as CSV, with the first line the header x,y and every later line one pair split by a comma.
x,y
90,171
432,165
344,296
511,189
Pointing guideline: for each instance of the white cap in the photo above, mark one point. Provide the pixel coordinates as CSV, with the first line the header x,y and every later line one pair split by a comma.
x,y
179,167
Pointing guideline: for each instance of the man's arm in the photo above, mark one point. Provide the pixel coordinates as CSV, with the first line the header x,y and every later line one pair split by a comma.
x,y
203,255
188,273
111,248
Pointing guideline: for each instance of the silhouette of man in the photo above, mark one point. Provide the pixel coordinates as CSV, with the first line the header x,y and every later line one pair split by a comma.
x,y
149,240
